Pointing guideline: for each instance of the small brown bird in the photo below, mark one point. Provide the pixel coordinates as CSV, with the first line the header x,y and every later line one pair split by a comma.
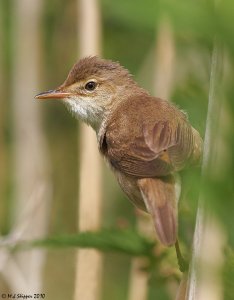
x,y
145,140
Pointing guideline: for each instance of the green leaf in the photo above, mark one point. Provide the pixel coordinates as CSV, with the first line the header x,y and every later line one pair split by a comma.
x,y
125,241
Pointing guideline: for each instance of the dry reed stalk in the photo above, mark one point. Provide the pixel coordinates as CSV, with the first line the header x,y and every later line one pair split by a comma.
x,y
89,261
208,232
165,60
182,289
23,271
139,276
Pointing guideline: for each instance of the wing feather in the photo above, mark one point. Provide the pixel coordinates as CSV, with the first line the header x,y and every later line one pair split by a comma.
x,y
155,146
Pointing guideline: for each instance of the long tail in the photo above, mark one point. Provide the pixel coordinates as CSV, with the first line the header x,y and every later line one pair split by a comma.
x,y
159,195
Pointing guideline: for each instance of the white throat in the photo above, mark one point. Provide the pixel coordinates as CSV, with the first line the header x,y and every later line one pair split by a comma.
x,y
86,110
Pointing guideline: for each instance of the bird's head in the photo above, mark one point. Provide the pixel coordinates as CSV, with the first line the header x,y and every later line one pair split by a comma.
x,y
93,88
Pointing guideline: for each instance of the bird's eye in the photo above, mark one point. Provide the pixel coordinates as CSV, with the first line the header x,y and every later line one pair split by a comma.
x,y
90,86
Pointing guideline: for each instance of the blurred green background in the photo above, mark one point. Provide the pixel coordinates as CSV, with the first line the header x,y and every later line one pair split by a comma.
x,y
129,35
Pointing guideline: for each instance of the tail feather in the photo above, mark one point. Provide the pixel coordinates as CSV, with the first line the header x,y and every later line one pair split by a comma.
x,y
159,196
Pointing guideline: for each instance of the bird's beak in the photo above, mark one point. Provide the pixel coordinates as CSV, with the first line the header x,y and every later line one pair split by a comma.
x,y
53,94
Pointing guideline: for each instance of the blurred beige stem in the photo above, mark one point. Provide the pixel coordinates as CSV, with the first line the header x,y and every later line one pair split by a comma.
x,y
209,238
23,271
89,261
139,276
165,60
210,281
181,292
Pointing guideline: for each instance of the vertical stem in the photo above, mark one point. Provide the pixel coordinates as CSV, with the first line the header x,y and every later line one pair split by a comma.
x,y
32,185
164,62
89,261
200,287
139,277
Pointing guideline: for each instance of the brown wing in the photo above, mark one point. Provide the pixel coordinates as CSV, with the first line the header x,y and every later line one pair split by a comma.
x,y
173,142
150,139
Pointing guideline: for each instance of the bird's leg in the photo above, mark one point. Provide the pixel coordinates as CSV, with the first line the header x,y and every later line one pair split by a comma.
x,y
183,264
